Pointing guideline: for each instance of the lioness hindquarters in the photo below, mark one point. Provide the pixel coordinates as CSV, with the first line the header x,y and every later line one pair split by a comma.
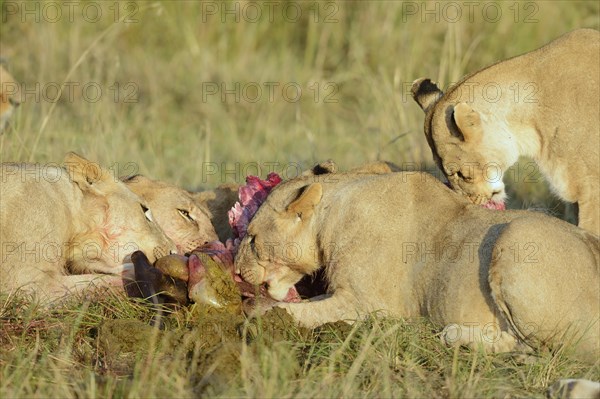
x,y
544,278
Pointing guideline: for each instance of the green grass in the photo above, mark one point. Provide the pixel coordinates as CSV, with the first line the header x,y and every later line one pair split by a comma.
x,y
168,57
62,354
364,59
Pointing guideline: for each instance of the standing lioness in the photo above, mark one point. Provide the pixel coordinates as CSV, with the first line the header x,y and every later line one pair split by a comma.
x,y
544,104
405,244
63,229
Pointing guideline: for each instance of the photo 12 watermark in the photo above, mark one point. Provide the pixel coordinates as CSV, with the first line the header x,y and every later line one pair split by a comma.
x,y
475,331
469,11
288,252
52,172
271,11
71,11
57,252
463,251
253,92
238,171
73,91
489,92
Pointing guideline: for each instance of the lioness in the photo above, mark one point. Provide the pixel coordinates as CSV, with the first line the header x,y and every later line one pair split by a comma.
x,y
405,244
184,220
544,104
64,229
10,97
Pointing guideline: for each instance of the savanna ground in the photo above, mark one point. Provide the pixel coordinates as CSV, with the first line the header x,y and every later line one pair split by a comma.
x,y
200,93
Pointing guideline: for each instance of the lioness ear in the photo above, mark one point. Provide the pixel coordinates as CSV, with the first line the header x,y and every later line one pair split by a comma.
x,y
468,122
322,168
425,93
134,179
138,183
83,172
307,201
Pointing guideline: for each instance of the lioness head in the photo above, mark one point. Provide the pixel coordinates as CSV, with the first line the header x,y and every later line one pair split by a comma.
x,y
182,218
10,97
455,135
118,221
289,215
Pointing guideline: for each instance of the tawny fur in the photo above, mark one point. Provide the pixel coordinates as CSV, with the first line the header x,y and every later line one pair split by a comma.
x,y
544,104
185,220
406,245
66,229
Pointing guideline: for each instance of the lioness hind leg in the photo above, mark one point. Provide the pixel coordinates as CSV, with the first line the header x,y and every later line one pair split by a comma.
x,y
490,337
544,279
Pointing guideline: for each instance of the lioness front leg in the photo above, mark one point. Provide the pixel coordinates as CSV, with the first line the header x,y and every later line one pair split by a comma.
x,y
338,307
72,284
489,336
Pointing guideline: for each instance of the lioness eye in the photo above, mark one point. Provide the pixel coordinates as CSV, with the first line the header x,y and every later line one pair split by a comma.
x,y
147,213
252,243
185,214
